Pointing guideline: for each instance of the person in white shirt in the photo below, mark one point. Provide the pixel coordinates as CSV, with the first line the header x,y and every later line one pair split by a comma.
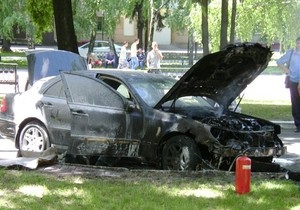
x,y
154,57
134,63
123,63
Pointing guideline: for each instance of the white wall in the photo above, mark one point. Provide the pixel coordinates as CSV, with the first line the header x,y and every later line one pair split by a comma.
x,y
128,27
162,37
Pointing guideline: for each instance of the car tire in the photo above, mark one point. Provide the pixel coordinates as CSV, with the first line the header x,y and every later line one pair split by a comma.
x,y
33,140
180,153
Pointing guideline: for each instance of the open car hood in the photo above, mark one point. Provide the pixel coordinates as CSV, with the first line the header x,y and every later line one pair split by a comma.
x,y
223,75
44,63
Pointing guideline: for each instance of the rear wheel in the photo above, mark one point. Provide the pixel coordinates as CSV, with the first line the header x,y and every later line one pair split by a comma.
x,y
180,153
33,140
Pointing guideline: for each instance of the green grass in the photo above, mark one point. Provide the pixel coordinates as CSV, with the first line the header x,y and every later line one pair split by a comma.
x,y
262,109
34,190
14,57
272,70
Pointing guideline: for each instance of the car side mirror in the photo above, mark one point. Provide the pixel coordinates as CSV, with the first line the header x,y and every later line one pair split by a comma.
x,y
130,106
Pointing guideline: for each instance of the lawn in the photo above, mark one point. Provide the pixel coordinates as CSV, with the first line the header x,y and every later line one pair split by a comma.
x,y
14,57
273,112
144,190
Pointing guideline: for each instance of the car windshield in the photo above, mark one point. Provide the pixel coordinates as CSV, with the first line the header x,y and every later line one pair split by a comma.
x,y
152,90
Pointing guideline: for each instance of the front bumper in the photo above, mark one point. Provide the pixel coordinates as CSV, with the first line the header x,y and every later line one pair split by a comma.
x,y
256,152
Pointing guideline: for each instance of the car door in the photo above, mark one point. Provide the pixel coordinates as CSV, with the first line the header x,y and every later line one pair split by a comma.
x,y
100,123
56,112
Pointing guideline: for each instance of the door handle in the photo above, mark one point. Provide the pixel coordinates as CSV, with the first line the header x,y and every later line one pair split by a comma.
x,y
78,112
42,103
47,103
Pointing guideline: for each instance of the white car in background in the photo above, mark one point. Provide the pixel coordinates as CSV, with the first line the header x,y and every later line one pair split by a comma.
x,y
100,48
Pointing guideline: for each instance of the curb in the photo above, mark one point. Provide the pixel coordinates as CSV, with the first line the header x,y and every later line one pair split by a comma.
x,y
285,124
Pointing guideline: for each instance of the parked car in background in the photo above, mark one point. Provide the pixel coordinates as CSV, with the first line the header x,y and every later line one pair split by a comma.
x,y
101,48
175,124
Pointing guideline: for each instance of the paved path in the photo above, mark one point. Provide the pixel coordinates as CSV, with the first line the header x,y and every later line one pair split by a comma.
x,y
291,160
269,88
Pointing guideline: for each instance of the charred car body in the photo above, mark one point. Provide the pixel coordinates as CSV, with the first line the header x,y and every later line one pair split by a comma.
x,y
179,125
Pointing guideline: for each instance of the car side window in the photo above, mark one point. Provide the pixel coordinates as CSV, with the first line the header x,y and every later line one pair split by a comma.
x,y
123,91
56,90
98,44
119,87
88,91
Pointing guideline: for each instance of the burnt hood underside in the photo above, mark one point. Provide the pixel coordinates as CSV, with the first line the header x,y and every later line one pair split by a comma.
x,y
223,75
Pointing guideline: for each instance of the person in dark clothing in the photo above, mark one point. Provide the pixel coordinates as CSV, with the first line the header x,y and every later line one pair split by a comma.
x,y
141,58
110,59
290,64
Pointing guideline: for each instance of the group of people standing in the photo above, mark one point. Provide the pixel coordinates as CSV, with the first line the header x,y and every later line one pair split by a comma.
x,y
133,60
138,58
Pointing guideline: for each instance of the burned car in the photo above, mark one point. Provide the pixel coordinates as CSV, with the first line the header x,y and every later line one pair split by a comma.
x,y
176,125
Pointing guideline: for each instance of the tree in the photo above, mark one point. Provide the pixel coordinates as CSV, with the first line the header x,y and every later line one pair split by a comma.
x,y
63,16
12,16
272,20
41,14
204,27
224,24
232,22
156,16
41,17
137,11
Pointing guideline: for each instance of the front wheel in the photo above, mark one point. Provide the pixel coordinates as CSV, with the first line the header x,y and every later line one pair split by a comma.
x,y
33,140
180,153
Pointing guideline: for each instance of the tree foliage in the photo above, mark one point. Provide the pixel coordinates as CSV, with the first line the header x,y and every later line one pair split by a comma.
x,y
272,20
41,15
12,17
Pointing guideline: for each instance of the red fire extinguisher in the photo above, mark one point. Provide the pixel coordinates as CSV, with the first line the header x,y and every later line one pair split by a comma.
x,y
242,174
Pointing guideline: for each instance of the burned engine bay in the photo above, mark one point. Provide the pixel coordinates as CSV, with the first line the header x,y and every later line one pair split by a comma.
x,y
235,133
249,131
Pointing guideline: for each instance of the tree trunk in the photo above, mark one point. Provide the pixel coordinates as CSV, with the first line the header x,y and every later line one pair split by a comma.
x,y
146,37
191,49
65,33
204,26
92,41
224,24
6,45
152,23
233,17
140,24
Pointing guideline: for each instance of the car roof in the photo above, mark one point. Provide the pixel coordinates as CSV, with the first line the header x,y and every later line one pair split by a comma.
x,y
125,75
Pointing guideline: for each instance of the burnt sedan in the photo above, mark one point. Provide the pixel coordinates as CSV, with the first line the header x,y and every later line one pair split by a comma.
x,y
177,125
